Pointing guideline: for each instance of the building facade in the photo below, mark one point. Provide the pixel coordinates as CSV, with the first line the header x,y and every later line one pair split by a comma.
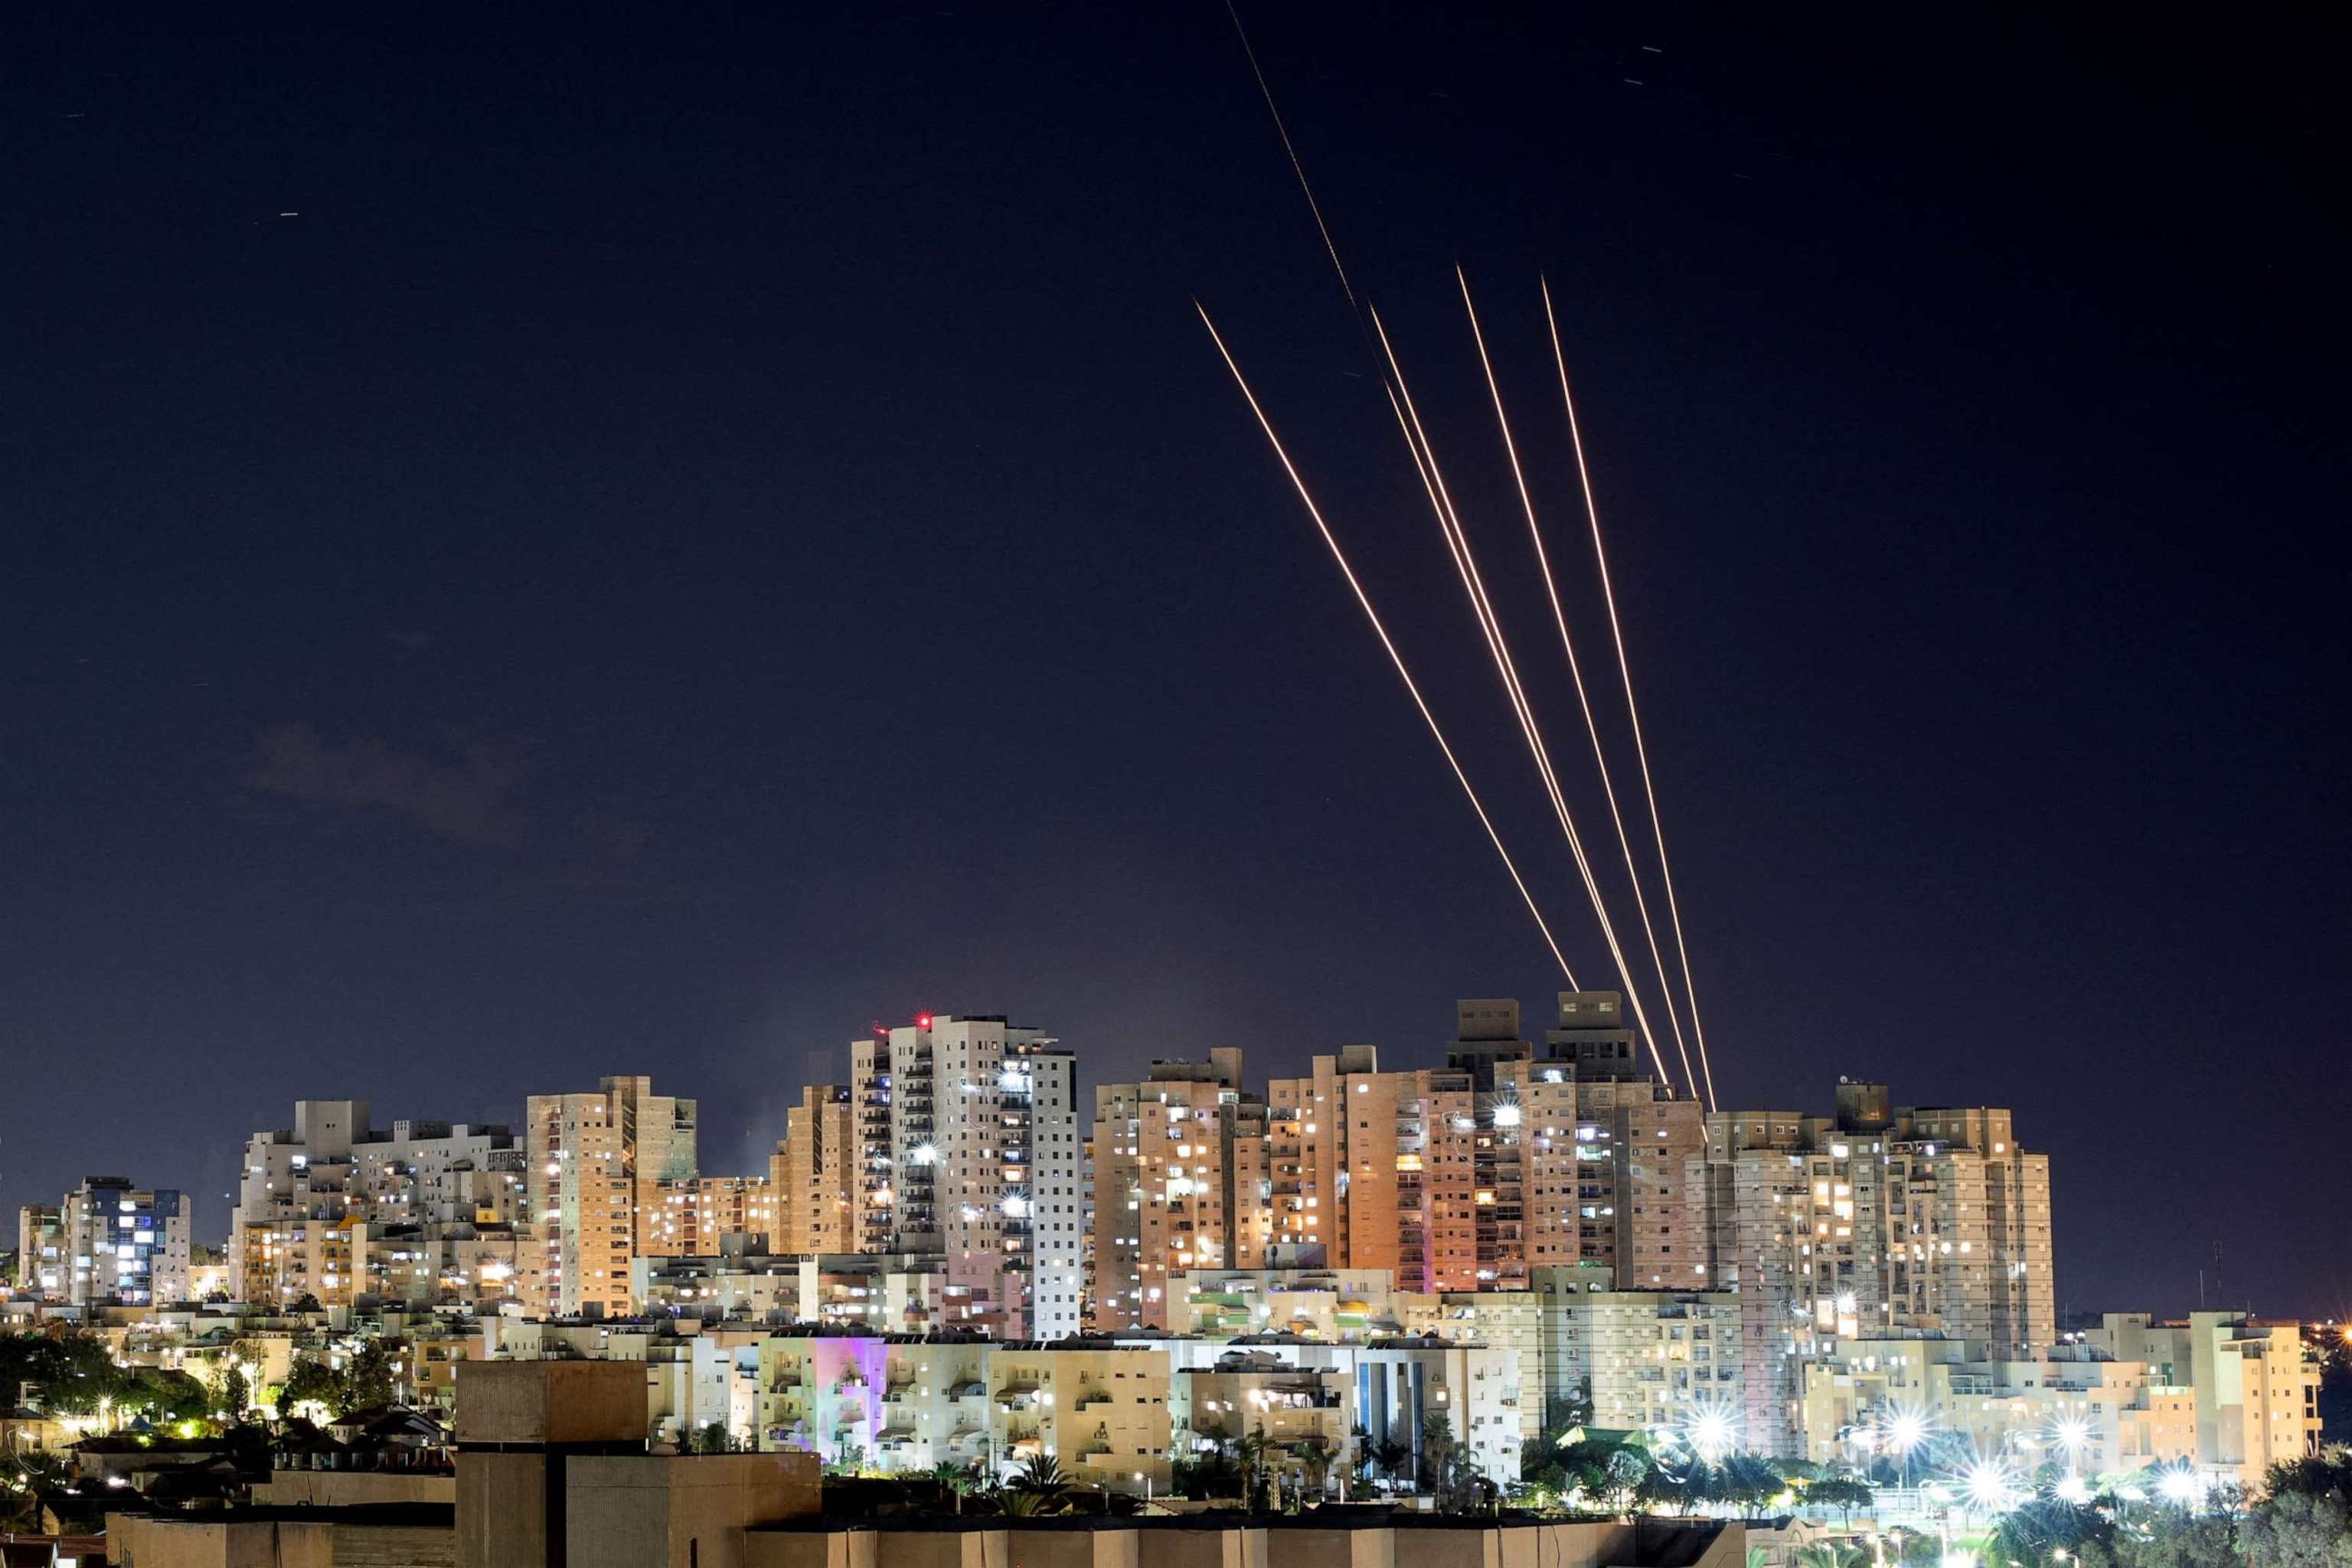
x,y
595,1165
968,1146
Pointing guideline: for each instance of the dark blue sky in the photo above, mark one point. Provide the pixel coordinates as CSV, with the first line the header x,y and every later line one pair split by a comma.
x,y
697,536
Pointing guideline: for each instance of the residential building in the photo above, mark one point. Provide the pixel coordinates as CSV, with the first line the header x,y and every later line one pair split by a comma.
x,y
440,1200
595,1165
43,1266
2253,1384
813,1171
970,1147
1870,1222
108,1242
1180,1182
692,1215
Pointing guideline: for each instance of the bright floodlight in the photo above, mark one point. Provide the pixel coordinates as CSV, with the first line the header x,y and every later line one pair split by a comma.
x,y
2180,1485
2073,1488
1506,1115
1987,1485
926,1154
1712,1433
1904,1429
2072,1434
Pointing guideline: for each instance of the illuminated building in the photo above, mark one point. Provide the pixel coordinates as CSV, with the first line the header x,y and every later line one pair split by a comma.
x,y
968,1146
334,1209
1872,1221
1180,1183
595,1167
107,1242
2253,1385
813,1171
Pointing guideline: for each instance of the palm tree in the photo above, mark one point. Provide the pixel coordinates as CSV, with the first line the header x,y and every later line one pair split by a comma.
x,y
1041,1481
1315,1455
1829,1554
1389,1455
1437,1445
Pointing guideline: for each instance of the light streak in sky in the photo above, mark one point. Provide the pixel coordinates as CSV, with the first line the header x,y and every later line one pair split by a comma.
x,y
1330,246
1296,167
1457,543
1625,670
1592,727
1396,659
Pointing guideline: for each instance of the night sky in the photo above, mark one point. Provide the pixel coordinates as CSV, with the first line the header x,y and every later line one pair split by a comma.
x,y
530,550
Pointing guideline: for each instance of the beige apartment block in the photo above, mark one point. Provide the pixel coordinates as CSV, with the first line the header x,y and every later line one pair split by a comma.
x,y
1099,1409
1179,1184
2082,1412
812,1173
694,1214
1306,1415
1317,1303
595,1165
2253,1387
1870,1222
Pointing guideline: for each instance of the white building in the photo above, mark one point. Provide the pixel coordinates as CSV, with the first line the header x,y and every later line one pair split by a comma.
x,y
970,1147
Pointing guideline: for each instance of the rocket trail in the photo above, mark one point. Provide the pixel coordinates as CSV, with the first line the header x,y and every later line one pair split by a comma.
x,y
1457,543
1296,167
1625,671
1591,728
1364,600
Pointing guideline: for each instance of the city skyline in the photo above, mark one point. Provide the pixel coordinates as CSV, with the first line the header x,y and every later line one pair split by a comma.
x,y
1490,1075
531,563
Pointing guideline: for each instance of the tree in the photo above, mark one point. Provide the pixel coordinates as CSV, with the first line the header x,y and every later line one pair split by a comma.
x,y
714,1439
1661,1489
2034,1534
26,1483
1437,1446
1749,1482
310,1382
1842,1494
1039,1482
1829,1554
1315,1455
2299,1530
2175,1538
369,1381
1623,1474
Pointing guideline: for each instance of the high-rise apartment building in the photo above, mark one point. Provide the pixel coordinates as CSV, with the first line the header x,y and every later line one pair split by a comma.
x,y
108,1242
1870,1222
1182,1181
595,1163
813,1172
693,1216
41,1262
968,1146
334,1209
1511,1156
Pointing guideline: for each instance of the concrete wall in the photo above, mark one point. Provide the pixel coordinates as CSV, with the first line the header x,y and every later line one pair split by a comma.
x,y
393,1546
332,1488
136,1542
501,1509
551,1402
1582,1545
643,1510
